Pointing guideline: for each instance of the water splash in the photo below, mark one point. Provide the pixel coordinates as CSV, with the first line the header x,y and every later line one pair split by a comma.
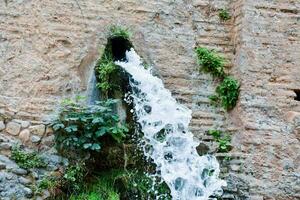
x,y
167,140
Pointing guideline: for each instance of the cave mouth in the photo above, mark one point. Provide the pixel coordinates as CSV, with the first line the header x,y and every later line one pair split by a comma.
x,y
297,97
119,46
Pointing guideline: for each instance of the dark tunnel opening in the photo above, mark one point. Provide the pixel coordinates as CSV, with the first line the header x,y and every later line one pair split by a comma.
x,y
119,46
297,97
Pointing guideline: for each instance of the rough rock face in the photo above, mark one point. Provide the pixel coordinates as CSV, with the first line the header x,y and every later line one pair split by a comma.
x,y
48,50
19,183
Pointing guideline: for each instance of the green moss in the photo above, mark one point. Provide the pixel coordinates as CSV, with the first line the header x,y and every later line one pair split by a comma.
x,y
210,62
224,14
27,160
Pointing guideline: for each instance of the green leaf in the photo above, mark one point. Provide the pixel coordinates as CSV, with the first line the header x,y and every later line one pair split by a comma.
x,y
125,129
81,127
71,128
56,127
87,145
115,117
72,118
96,147
115,130
89,135
97,120
101,132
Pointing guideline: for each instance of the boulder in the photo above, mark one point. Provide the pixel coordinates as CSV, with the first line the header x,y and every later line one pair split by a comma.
x,y
24,124
35,139
38,129
13,128
24,135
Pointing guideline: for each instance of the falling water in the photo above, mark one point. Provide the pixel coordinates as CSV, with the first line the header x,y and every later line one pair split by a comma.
x,y
167,140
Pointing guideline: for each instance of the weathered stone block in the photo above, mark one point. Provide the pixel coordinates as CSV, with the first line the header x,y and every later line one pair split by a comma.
x,y
24,181
2,125
13,128
2,166
35,139
5,146
48,141
28,192
24,135
19,171
38,129
24,124
49,130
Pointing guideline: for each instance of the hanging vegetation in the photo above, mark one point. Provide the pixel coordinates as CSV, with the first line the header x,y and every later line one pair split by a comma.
x,y
227,91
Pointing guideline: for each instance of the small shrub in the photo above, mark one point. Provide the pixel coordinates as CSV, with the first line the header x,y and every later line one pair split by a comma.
x,y
81,127
105,68
227,93
101,188
71,182
223,140
224,14
119,31
50,183
210,62
27,160
73,178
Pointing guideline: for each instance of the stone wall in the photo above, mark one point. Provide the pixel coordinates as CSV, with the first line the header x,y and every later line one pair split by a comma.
x,y
267,63
48,50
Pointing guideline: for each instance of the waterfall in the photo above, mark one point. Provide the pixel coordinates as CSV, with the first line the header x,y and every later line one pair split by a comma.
x,y
166,138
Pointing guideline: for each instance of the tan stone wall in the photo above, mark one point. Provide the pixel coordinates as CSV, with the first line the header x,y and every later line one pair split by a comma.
x,y
267,63
48,50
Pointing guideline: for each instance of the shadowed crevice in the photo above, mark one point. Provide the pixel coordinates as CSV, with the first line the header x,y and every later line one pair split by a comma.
x,y
119,46
297,97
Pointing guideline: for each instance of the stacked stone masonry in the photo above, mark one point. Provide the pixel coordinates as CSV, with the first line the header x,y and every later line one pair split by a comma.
x,y
48,50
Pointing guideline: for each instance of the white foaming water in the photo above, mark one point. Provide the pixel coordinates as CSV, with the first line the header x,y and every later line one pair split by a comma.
x,y
167,140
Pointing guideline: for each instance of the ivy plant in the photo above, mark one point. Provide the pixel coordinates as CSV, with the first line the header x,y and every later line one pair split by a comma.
x,y
227,93
223,140
210,61
82,127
